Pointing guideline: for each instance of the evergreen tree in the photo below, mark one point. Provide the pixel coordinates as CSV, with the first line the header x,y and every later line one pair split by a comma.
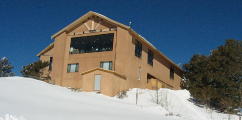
x,y
216,80
34,70
5,68
228,71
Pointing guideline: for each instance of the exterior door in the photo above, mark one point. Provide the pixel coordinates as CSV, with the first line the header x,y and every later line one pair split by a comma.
x,y
153,84
97,82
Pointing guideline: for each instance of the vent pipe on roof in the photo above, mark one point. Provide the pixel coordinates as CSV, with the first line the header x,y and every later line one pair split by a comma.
x,y
130,23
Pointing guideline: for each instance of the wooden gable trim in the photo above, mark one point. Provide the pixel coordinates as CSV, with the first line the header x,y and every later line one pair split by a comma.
x,y
85,17
108,71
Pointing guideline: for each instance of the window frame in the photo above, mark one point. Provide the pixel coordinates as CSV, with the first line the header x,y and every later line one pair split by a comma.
x,y
110,67
90,47
69,67
50,64
172,73
150,55
138,49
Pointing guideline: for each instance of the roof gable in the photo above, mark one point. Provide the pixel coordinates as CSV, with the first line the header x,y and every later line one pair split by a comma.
x,y
86,17
92,23
92,14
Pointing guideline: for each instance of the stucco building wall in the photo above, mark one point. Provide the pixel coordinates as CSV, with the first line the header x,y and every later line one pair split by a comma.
x,y
122,56
111,84
128,64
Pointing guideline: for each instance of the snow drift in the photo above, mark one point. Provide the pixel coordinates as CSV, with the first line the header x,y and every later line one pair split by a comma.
x,y
30,99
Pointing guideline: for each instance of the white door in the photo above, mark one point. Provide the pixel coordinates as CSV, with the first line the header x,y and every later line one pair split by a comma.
x,y
97,82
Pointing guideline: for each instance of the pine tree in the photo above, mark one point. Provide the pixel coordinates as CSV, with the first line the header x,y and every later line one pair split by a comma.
x,y
199,82
5,68
215,80
34,70
227,60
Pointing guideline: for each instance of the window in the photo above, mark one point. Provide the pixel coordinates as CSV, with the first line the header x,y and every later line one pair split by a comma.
x,y
138,49
172,73
50,65
150,57
72,67
107,65
95,43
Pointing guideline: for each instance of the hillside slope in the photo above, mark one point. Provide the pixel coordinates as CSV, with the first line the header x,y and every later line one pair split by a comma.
x,y
30,99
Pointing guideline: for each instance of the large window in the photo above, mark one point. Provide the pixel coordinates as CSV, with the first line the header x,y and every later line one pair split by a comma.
x,y
107,65
150,57
138,49
72,67
96,43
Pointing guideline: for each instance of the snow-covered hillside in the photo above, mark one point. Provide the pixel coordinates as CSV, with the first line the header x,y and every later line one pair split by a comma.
x,y
29,99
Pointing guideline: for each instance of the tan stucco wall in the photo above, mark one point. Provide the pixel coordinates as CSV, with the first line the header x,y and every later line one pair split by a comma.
x,y
59,58
128,64
123,57
46,57
111,84
87,61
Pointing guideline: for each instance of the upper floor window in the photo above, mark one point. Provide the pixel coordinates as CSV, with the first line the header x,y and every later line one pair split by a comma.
x,y
107,65
138,49
95,43
150,57
172,73
50,64
72,67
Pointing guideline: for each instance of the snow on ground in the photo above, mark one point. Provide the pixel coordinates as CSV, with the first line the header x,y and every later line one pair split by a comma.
x,y
29,99
173,103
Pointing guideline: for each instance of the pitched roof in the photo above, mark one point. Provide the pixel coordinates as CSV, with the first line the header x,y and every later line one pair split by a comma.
x,y
91,13
83,18
50,46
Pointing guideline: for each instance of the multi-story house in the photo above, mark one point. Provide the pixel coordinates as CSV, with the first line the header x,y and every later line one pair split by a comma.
x,y
96,53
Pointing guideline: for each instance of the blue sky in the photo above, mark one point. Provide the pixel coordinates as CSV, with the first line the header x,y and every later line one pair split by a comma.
x,y
178,28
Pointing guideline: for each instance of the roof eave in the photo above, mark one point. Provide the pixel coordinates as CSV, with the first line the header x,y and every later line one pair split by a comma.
x,y
158,51
83,18
50,46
